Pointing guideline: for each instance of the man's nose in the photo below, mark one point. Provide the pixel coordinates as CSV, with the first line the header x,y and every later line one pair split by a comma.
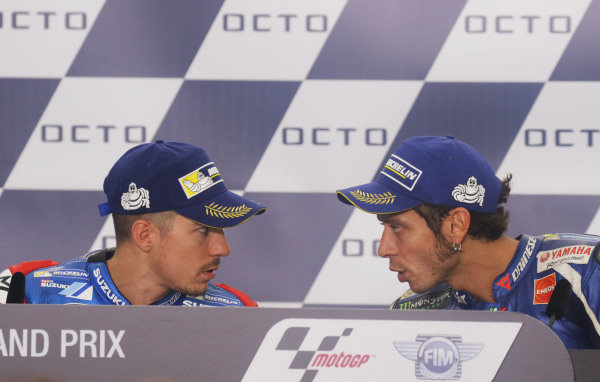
x,y
388,245
218,244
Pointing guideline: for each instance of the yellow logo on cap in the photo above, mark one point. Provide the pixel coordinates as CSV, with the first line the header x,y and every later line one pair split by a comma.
x,y
213,209
196,181
385,198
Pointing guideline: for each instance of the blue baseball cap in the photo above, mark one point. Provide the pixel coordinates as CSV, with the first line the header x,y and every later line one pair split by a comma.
x,y
436,170
174,176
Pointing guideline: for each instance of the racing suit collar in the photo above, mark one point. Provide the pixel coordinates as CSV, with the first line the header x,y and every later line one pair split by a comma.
x,y
103,284
507,280
521,261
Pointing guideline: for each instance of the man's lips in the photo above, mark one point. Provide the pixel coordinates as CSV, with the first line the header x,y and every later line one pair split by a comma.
x,y
210,273
402,277
210,268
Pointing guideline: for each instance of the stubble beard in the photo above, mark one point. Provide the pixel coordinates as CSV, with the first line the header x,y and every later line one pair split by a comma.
x,y
193,289
442,252
174,283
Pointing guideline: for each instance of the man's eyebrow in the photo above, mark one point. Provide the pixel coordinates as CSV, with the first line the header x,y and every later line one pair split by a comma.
x,y
387,218
383,218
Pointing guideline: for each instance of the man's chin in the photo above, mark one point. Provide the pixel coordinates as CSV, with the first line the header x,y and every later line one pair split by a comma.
x,y
419,289
193,291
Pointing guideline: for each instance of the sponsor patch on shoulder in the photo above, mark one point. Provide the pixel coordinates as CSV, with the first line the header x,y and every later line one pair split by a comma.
x,y
207,299
551,236
71,273
575,254
42,274
79,290
570,236
47,283
543,289
409,293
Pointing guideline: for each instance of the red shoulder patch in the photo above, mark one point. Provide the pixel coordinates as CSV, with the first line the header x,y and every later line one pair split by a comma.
x,y
27,266
247,301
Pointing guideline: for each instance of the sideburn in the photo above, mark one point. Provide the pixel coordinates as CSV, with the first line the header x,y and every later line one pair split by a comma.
x,y
443,249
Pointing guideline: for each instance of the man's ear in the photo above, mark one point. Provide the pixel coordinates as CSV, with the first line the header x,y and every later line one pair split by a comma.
x,y
143,234
456,224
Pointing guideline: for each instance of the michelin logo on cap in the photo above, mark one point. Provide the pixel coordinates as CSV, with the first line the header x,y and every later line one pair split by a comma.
x,y
135,198
197,181
402,172
469,193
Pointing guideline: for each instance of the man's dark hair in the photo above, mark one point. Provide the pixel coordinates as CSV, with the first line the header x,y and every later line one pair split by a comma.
x,y
483,226
123,223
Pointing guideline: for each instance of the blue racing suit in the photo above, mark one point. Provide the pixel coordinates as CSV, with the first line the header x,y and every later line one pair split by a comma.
x,y
527,284
86,281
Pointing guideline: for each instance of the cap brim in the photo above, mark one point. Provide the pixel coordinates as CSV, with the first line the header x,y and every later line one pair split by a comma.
x,y
376,198
224,210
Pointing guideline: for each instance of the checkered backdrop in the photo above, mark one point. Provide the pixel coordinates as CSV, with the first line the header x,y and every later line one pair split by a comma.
x,y
293,99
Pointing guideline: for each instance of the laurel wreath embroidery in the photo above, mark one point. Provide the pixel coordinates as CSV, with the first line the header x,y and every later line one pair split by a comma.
x,y
213,209
384,198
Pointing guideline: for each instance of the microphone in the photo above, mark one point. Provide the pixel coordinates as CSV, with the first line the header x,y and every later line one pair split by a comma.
x,y
16,289
557,305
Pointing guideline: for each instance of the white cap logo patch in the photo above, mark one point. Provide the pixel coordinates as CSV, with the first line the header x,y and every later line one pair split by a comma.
x,y
469,193
135,198
199,180
202,184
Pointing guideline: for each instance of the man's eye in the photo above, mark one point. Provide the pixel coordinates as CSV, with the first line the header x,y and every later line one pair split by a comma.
x,y
396,228
203,230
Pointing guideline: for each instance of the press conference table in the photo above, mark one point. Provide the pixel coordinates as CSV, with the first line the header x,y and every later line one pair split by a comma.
x,y
99,343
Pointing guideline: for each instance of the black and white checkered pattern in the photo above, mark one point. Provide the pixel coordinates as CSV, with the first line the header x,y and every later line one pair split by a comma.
x,y
293,99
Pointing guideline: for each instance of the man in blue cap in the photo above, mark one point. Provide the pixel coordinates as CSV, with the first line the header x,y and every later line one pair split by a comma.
x,y
170,206
441,207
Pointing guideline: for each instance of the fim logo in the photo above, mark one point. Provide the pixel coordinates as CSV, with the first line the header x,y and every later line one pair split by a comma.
x,y
438,356
323,357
